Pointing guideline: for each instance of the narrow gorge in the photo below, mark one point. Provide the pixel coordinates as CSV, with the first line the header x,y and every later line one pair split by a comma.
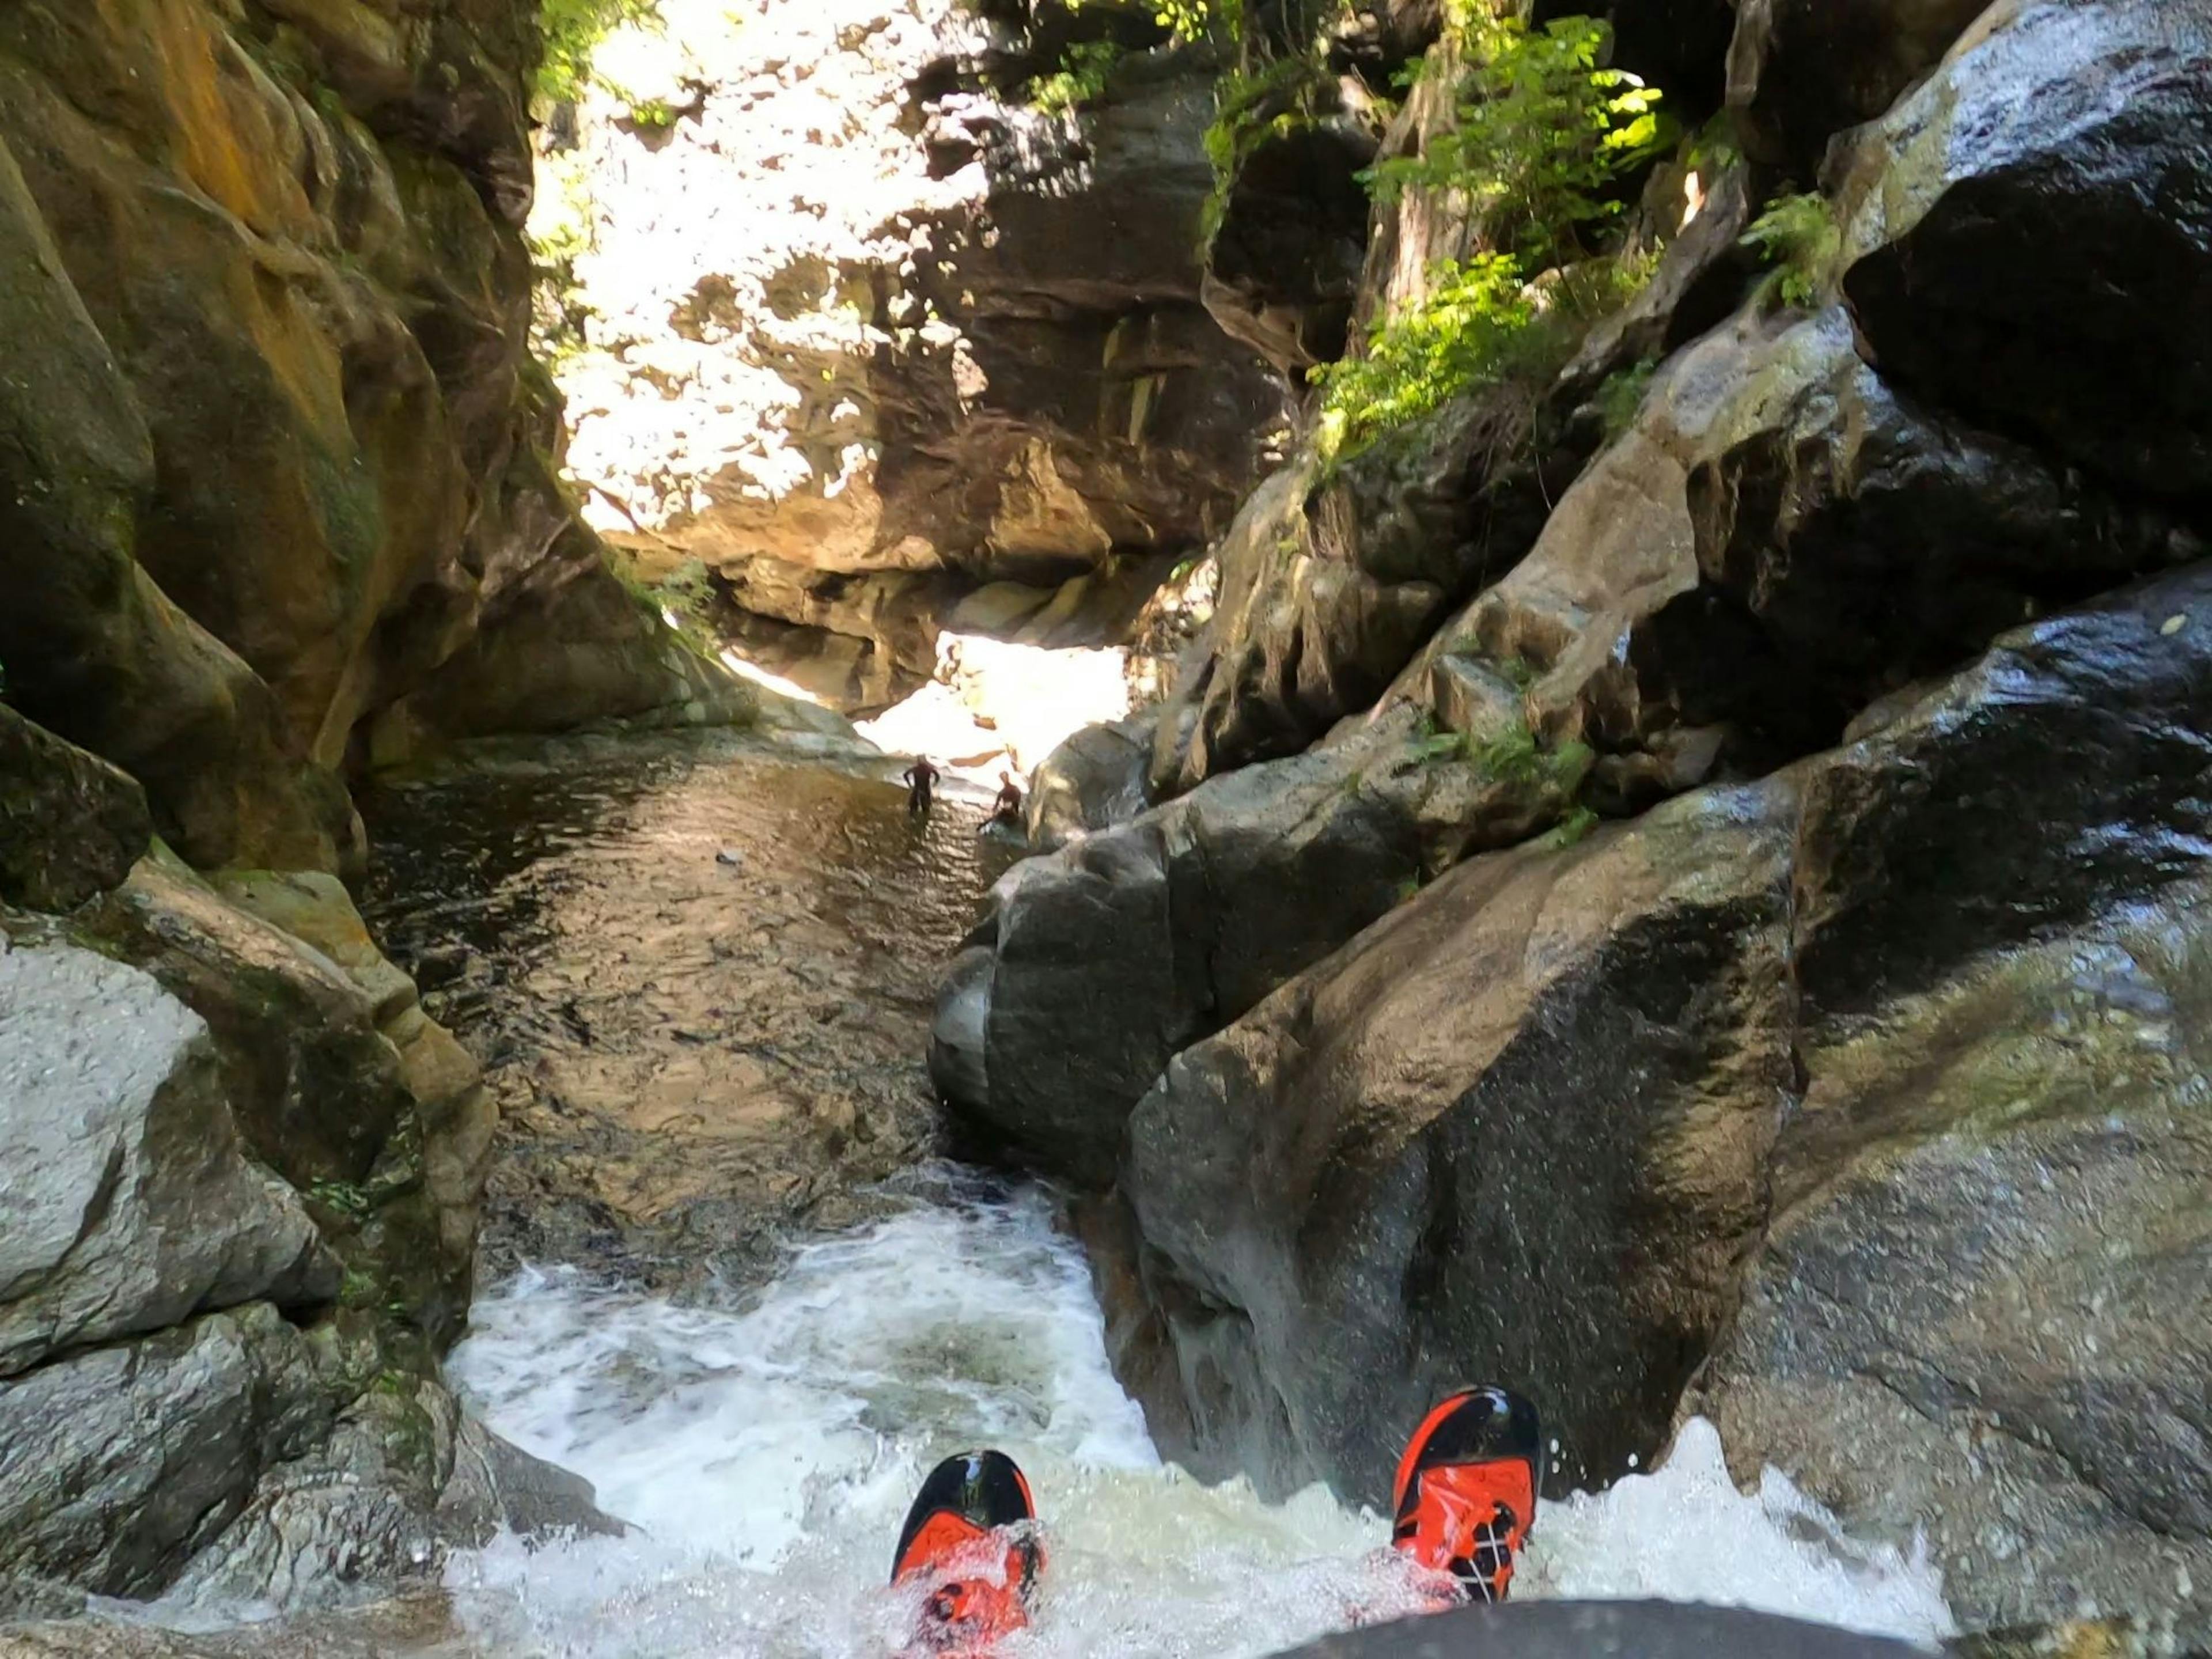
x,y
1602,619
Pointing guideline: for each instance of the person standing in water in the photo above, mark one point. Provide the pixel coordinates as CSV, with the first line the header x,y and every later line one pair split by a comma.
x,y
1008,809
920,778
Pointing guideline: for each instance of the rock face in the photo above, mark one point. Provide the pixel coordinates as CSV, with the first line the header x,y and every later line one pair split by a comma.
x,y
274,447
1800,72
1845,1087
70,825
1092,966
1559,1115
123,1152
243,1180
2051,130
863,331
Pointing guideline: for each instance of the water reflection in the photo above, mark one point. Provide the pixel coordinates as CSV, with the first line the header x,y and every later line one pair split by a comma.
x,y
700,976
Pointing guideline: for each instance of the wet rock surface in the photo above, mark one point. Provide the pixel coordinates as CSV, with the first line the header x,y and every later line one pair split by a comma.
x,y
1094,964
699,977
2051,130
1915,1090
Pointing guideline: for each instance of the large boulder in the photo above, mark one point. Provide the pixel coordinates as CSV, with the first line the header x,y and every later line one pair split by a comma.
x,y
118,1464
1449,1108
1800,71
1096,963
1834,1084
130,1203
1990,1254
2031,235
237,1457
1094,781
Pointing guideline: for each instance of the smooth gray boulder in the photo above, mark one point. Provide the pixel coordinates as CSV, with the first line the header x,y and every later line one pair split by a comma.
x,y
1602,1630
129,1205
1092,782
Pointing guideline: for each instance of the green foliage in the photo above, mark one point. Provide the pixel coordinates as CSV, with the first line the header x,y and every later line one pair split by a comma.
x,y
1800,237
1479,326
1541,133
654,113
1081,78
1621,395
1462,333
342,1196
1570,829
1188,20
573,30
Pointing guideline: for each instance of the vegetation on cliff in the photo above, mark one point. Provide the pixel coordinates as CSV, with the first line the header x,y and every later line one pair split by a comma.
x,y
1541,134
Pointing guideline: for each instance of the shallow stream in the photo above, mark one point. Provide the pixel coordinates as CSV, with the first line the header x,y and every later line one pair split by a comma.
x,y
754,1319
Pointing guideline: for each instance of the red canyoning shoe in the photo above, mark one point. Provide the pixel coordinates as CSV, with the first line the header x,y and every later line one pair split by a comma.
x,y
1465,1496
969,1540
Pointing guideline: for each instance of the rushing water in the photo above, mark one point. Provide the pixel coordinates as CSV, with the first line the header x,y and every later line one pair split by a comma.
x,y
613,924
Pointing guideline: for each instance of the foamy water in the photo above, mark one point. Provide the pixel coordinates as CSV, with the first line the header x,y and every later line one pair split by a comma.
x,y
768,1450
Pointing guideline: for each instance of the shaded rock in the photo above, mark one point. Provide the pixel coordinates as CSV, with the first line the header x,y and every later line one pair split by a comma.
x,y
1602,1630
1679,46
551,660
1094,964
1303,635
1282,272
2031,235
1353,1197
496,1485
403,1477
129,1205
1094,781
1800,71
117,1465
70,825
91,647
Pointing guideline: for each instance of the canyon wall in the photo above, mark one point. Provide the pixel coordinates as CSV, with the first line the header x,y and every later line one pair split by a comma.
x,y
1675,886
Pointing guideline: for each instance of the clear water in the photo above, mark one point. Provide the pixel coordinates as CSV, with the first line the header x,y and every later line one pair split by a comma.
x,y
767,1449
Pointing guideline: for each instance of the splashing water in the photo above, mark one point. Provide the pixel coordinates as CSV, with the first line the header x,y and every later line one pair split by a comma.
x,y
767,1453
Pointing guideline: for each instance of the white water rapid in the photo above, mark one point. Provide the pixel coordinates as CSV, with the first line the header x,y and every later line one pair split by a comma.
x,y
767,1450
